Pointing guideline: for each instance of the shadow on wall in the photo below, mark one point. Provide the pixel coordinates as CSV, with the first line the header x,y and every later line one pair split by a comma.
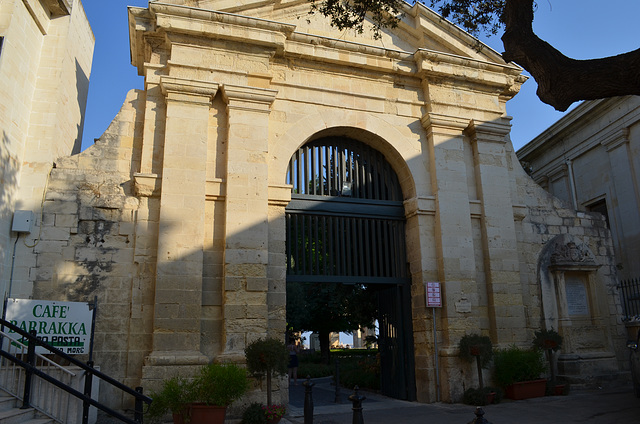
x,y
82,90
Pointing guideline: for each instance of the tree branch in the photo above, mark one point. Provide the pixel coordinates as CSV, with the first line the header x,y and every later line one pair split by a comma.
x,y
562,80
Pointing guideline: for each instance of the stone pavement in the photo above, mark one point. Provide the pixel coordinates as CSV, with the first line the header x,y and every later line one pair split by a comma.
x,y
603,406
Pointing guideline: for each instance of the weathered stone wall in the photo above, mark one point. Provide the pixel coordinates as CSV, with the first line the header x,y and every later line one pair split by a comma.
x,y
44,76
175,218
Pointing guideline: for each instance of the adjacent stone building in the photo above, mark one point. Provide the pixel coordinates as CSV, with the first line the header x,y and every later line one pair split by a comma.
x,y
46,49
259,127
589,159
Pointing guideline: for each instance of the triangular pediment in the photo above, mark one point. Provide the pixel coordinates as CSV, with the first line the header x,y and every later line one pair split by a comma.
x,y
420,28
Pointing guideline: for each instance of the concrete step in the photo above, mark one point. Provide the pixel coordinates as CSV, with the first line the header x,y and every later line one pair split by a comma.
x,y
23,416
7,401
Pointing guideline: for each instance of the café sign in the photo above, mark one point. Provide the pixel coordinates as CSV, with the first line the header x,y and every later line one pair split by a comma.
x,y
64,325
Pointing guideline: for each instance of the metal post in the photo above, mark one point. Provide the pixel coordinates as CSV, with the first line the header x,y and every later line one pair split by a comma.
x,y
28,374
357,406
139,412
337,397
88,379
479,419
308,401
435,346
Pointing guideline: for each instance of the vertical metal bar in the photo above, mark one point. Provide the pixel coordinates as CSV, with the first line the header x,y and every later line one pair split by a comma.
x,y
139,410
299,175
332,250
343,259
367,247
308,254
28,373
287,242
360,250
324,246
88,378
316,242
312,166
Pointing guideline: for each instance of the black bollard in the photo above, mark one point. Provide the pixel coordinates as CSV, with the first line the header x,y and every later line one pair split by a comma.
x,y
357,406
479,419
337,398
308,401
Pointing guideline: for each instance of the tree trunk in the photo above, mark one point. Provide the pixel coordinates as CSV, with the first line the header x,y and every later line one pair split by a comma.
x,y
562,80
323,336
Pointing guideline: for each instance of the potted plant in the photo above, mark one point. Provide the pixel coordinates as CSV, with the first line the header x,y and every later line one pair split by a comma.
x,y
203,399
550,341
215,388
475,346
274,413
518,372
266,357
174,397
254,414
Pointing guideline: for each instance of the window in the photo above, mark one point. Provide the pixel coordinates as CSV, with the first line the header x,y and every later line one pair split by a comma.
x,y
600,206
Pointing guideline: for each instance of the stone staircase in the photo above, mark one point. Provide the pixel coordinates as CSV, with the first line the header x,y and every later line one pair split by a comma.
x,y
10,412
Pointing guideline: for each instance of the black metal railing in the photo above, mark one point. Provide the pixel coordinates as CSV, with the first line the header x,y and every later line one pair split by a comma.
x,y
32,367
630,290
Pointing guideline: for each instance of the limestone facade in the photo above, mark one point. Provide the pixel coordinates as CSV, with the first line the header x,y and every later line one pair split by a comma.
x,y
175,218
45,63
589,160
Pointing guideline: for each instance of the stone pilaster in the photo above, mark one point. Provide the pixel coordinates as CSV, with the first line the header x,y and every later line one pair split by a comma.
x,y
455,255
504,292
246,255
178,289
625,193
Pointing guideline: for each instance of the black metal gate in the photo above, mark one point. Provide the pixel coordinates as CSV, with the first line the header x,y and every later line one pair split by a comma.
x,y
345,224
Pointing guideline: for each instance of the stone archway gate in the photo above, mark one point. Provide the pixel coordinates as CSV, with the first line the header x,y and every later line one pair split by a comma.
x,y
346,225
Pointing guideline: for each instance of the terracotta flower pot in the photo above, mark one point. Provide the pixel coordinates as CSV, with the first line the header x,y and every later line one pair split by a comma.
x,y
526,389
205,414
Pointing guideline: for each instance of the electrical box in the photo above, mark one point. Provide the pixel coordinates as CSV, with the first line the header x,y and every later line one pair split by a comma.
x,y
22,221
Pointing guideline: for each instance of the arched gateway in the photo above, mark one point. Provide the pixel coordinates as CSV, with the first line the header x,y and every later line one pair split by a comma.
x,y
346,225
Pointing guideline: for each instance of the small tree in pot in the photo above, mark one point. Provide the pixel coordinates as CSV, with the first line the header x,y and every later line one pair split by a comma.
x,y
549,341
266,357
479,347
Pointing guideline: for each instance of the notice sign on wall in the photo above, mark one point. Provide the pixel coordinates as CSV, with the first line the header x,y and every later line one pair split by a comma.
x,y
64,325
434,300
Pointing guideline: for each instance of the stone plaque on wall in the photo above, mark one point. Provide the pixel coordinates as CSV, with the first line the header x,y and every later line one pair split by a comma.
x,y
577,301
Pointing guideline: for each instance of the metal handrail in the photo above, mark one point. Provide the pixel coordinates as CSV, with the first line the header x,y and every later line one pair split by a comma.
x,y
41,357
31,369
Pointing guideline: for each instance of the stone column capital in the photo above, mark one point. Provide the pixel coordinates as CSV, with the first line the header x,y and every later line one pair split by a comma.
x,y
615,139
248,98
494,131
188,91
435,122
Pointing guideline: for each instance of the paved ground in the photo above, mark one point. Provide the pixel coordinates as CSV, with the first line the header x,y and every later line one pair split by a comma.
x,y
610,406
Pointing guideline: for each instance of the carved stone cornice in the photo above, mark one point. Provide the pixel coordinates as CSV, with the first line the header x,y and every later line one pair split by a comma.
x,y
615,139
147,185
279,195
491,131
58,7
248,98
436,122
187,90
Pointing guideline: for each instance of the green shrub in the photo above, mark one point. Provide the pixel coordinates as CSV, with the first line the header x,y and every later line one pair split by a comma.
x,y
220,384
361,371
514,364
478,397
254,415
314,370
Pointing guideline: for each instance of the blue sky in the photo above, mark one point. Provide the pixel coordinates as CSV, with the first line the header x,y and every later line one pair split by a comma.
x,y
581,29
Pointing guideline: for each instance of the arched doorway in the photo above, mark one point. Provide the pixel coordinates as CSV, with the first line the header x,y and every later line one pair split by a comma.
x,y
345,224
